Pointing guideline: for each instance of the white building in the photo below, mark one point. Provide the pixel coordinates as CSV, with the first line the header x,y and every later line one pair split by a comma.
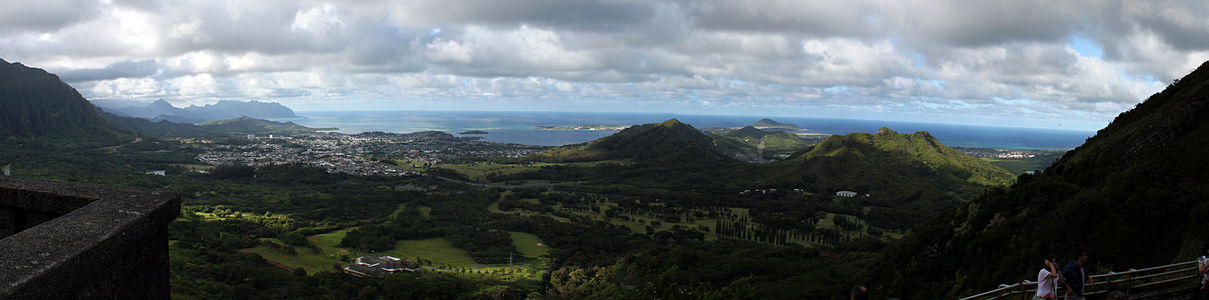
x,y
845,194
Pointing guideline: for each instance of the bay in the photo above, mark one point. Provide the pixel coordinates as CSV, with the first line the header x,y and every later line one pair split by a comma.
x,y
521,127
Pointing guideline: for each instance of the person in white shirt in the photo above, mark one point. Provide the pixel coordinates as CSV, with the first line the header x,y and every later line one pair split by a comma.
x,y
1047,279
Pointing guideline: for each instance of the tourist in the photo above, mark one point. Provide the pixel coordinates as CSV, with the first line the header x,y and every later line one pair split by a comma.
x,y
1202,267
1047,278
1074,276
860,293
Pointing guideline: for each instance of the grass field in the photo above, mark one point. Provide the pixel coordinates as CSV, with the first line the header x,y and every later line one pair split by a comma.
x,y
328,254
439,250
529,245
407,165
478,172
1019,166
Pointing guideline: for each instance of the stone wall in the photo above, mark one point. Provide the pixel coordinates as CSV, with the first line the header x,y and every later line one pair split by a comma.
x,y
68,240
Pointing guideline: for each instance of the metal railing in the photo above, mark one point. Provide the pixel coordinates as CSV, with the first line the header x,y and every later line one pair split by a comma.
x,y
1140,282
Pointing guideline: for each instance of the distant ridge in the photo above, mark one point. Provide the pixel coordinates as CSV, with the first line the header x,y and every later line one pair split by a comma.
x,y
37,105
220,128
223,110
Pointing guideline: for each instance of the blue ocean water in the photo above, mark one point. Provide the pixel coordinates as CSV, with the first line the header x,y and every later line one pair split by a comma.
x,y
521,127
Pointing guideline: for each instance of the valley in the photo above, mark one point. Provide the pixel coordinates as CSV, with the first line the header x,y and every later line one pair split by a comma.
x,y
657,207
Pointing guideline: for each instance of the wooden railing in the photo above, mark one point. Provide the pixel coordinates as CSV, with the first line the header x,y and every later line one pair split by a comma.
x,y
1148,282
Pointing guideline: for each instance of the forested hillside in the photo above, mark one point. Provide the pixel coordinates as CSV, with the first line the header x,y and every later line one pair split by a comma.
x,y
1134,195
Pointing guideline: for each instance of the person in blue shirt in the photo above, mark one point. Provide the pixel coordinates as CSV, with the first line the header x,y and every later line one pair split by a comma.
x,y
1075,277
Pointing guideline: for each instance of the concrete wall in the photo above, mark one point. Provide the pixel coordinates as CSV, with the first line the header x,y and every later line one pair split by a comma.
x,y
89,241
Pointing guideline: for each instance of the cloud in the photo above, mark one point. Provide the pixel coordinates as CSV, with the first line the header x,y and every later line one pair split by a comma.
x,y
44,16
993,59
124,69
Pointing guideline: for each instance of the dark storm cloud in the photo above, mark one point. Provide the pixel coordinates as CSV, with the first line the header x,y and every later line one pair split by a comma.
x,y
44,16
815,18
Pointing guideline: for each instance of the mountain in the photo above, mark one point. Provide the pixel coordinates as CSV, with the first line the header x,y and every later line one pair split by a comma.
x,y
212,129
225,109
755,145
1133,195
667,141
770,124
36,104
911,175
256,126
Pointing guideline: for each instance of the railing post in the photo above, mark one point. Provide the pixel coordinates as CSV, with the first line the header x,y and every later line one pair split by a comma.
x,y
1129,284
1024,291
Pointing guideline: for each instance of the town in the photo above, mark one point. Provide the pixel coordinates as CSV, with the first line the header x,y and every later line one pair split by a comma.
x,y
1000,153
370,153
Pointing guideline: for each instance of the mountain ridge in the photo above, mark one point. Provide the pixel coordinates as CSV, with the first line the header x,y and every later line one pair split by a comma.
x,y
161,109
36,104
1131,195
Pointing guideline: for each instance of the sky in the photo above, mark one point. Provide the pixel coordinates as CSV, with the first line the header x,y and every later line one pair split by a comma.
x,y
1022,63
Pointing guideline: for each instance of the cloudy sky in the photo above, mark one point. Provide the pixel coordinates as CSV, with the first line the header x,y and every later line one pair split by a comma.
x,y
1052,64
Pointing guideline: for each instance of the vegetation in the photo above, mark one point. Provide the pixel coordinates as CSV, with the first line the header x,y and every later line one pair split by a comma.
x,y
755,145
657,211
1136,171
256,126
769,123
37,108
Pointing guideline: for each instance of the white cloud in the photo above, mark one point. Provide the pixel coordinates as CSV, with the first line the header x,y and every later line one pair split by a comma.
x,y
1002,60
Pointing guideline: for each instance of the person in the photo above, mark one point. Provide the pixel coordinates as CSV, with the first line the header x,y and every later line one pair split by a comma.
x,y
1047,278
860,293
1074,276
1202,267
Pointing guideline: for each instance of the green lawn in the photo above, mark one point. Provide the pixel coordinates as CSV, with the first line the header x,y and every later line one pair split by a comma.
x,y
305,259
407,165
478,172
439,250
329,253
529,245
1020,165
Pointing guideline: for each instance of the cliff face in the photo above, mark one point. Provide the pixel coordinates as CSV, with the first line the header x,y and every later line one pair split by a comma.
x,y
34,103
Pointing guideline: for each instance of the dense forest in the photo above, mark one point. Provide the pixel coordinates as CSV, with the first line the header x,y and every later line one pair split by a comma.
x,y
1132,195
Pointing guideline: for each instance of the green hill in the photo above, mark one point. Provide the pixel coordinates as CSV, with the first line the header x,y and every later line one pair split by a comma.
x,y
36,105
913,175
257,126
754,145
1134,195
769,123
670,141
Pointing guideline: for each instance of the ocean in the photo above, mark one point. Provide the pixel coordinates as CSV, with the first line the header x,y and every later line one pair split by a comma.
x,y
521,127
